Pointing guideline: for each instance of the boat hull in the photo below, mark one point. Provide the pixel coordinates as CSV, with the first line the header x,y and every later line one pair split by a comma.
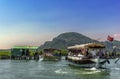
x,y
51,58
85,62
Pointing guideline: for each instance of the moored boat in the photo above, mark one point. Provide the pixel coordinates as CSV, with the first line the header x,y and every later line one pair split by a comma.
x,y
51,54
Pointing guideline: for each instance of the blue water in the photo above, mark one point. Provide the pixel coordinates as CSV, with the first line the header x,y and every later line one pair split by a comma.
x,y
21,69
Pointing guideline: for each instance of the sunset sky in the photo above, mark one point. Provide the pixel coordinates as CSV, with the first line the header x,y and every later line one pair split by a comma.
x,y
32,22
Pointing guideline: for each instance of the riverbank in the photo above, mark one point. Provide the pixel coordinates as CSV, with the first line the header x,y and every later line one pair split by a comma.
x,y
6,54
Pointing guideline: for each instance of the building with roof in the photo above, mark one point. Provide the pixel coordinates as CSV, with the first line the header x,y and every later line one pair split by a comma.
x,y
22,52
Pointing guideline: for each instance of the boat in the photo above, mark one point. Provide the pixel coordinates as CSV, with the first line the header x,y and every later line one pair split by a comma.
x,y
51,54
83,56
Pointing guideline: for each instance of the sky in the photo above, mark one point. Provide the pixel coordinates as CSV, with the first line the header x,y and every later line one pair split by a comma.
x,y
32,22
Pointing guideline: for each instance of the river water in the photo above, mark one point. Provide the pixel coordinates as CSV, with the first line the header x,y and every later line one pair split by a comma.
x,y
22,69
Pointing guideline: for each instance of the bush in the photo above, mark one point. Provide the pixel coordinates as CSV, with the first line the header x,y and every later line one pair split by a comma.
x,y
64,52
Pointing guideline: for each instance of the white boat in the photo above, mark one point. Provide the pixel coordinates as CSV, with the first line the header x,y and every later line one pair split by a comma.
x,y
77,55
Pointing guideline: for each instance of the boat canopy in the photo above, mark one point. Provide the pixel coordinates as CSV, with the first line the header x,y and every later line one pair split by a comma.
x,y
88,45
25,47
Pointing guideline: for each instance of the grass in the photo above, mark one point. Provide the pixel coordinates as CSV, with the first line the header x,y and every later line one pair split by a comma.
x,y
8,52
5,53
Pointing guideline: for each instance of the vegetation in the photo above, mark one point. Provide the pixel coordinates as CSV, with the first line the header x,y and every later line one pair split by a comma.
x,y
5,53
8,52
64,52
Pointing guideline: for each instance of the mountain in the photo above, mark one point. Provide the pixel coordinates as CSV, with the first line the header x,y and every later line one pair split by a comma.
x,y
109,45
67,39
72,38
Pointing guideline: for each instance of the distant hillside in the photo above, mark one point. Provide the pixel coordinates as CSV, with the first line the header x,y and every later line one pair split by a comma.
x,y
109,45
72,38
67,39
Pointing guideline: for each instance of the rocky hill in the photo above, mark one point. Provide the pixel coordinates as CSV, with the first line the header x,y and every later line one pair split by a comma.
x,y
72,38
67,39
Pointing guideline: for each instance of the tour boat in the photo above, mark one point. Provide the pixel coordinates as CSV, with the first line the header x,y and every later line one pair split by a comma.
x,y
82,55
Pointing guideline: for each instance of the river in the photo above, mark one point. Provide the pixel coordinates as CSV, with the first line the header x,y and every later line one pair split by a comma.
x,y
24,69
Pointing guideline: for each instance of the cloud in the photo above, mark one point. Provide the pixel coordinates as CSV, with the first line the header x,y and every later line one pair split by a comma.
x,y
116,35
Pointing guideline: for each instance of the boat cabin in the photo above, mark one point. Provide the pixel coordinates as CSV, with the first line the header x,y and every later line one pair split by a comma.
x,y
87,50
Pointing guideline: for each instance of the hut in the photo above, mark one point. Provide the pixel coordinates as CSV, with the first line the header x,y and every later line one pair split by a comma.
x,y
22,52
